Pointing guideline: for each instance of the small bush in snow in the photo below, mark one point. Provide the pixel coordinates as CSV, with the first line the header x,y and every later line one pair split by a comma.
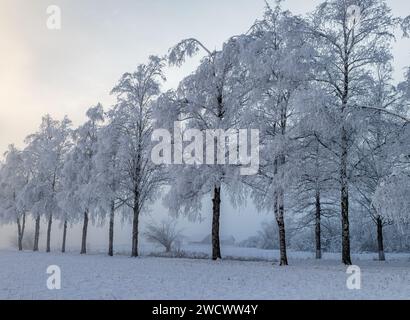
x,y
164,234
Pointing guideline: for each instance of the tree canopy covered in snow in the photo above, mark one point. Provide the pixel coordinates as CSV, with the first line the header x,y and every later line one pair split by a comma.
x,y
316,92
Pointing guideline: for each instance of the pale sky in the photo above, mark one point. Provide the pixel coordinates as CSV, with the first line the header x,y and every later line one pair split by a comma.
x,y
64,72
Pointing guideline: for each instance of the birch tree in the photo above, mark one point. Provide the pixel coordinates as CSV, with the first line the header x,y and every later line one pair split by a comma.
x,y
314,167
376,152
140,179
13,178
107,175
278,60
79,197
46,151
348,47
211,99
391,196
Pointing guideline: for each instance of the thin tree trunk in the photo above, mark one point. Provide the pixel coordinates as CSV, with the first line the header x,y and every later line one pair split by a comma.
x,y
216,212
37,234
380,239
23,228
136,209
216,200
111,231
64,236
134,252
344,190
318,215
50,222
279,207
345,202
281,225
84,236
20,244
20,231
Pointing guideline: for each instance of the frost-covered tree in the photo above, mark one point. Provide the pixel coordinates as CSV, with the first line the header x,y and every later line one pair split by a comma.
x,y
165,233
334,132
391,197
209,100
107,181
45,153
376,149
313,165
347,49
140,179
14,176
79,197
278,61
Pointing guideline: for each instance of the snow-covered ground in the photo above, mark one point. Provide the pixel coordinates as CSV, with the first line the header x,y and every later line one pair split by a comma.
x,y
96,276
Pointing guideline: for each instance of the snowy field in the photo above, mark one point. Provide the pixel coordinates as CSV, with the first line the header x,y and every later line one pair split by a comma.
x,y
96,276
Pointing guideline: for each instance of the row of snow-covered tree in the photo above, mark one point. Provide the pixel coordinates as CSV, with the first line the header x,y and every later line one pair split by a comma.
x,y
334,131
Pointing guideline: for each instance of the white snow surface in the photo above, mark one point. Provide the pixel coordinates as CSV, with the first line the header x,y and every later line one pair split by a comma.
x,y
96,276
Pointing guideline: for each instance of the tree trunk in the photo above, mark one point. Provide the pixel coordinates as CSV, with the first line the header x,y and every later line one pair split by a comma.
x,y
380,239
64,236
23,227
280,211
344,190
37,234
111,231
50,222
84,237
134,252
216,212
345,201
20,231
19,239
136,209
279,207
318,215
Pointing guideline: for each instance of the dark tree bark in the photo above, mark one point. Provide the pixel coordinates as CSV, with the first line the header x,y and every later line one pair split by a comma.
x,y
279,206
50,222
19,237
37,234
279,163
135,222
111,231
318,215
345,203
380,243
344,190
280,211
21,225
136,205
64,236
345,231
216,212
216,200
84,236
